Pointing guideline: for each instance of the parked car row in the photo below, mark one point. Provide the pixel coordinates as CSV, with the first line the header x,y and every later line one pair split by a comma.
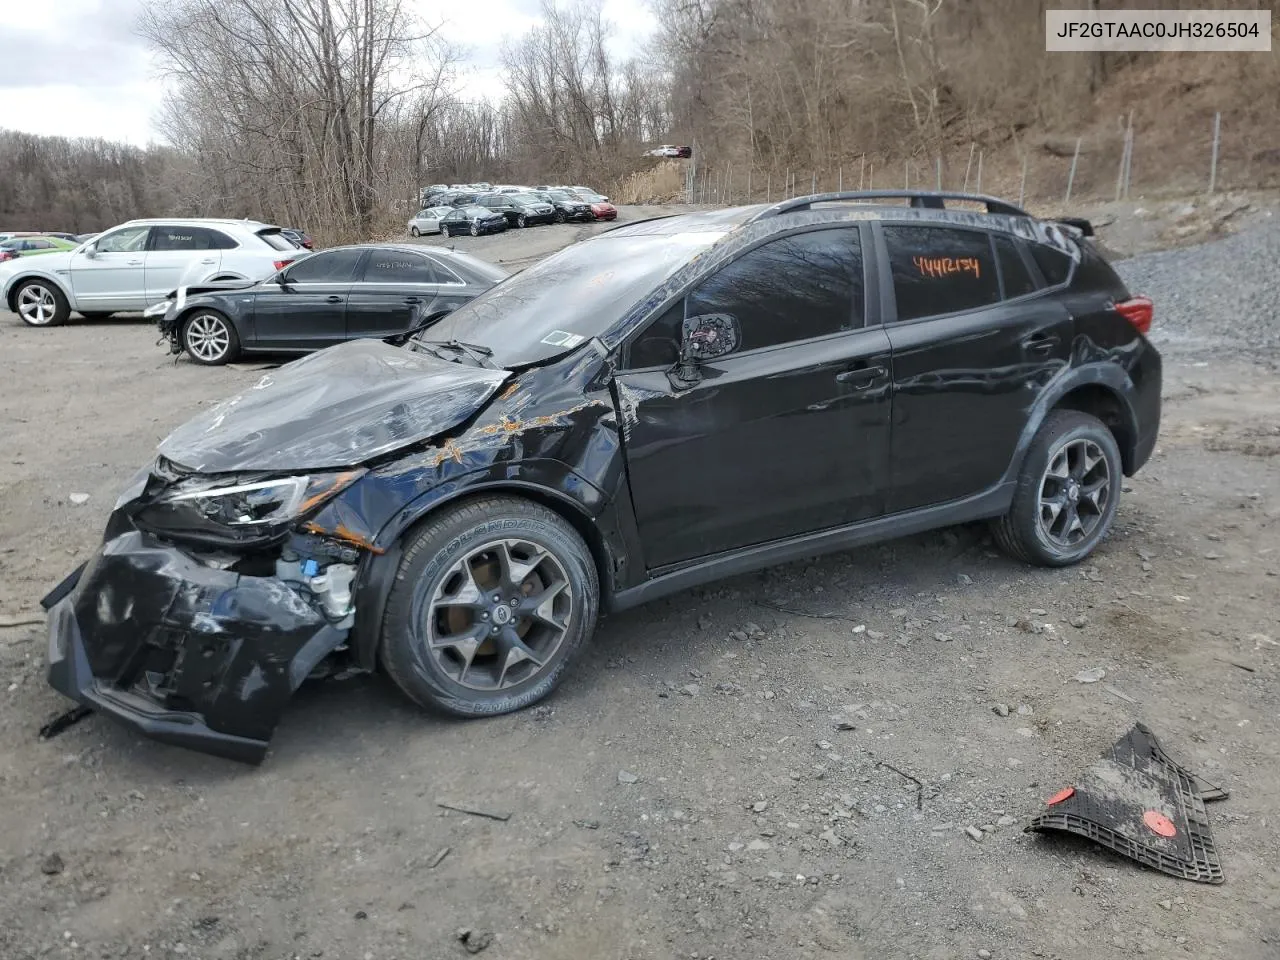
x,y
451,211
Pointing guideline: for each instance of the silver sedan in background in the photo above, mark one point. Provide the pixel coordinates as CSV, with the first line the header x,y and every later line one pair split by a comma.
x,y
427,221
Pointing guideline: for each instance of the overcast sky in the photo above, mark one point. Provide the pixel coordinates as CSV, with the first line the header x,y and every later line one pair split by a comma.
x,y
75,68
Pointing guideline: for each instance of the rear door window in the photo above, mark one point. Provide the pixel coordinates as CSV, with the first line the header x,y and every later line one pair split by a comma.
x,y
395,266
940,270
188,238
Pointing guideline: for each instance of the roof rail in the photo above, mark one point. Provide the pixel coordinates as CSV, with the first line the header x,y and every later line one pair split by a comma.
x,y
919,198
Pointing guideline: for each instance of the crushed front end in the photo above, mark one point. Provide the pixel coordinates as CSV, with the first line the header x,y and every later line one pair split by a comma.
x,y
204,609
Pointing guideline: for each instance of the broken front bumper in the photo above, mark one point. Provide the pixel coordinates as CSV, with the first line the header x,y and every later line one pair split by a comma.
x,y
183,652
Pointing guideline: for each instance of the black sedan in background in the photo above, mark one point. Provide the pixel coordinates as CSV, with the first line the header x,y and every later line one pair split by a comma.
x,y
567,206
344,293
520,209
474,220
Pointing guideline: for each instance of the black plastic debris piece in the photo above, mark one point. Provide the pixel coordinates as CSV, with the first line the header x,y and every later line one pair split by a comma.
x,y
1141,803
63,721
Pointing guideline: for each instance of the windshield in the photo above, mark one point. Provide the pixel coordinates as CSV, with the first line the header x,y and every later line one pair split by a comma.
x,y
560,195
475,211
568,298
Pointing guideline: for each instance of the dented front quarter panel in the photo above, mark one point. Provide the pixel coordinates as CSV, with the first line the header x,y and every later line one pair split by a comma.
x,y
552,433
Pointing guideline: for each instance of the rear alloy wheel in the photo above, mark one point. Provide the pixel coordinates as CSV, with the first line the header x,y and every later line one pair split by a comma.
x,y
413,232
475,229
41,304
1067,492
209,338
492,601
520,222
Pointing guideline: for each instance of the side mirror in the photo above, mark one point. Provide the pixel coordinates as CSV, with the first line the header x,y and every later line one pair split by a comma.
x,y
704,338
282,278
90,250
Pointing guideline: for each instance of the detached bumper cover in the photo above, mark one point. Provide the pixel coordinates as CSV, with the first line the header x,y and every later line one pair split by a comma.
x,y
180,651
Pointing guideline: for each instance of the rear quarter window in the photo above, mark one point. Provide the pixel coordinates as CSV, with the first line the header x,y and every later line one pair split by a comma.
x,y
276,240
1054,264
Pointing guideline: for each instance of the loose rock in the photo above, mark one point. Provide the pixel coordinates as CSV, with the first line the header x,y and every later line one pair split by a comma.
x,y
975,834
52,865
79,498
626,776
1000,709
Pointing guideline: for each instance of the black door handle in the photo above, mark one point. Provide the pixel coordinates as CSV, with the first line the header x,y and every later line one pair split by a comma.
x,y
412,299
1040,345
333,298
860,376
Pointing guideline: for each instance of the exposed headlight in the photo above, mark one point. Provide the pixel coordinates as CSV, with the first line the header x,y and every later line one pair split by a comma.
x,y
263,501
212,508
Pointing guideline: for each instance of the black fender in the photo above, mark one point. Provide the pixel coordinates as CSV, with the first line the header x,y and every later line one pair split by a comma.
x,y
546,481
1110,376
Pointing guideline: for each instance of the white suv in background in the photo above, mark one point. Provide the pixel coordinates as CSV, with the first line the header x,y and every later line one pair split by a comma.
x,y
139,263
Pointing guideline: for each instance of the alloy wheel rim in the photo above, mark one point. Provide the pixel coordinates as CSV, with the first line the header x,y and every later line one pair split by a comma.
x,y
208,337
520,221
36,305
1075,492
499,615
475,229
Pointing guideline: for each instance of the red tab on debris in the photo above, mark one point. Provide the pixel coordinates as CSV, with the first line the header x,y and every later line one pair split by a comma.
x,y
1158,823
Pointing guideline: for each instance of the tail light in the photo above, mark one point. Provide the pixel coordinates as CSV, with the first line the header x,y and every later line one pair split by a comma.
x,y
7,255
281,264
1139,311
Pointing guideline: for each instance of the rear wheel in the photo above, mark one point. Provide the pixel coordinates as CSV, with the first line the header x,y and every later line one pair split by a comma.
x,y
41,304
210,338
1067,493
493,600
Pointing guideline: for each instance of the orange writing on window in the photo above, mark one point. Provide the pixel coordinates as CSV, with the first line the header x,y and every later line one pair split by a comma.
x,y
945,266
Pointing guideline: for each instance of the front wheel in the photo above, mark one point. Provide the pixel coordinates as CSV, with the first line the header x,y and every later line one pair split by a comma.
x,y
41,304
413,232
475,229
210,338
493,600
1067,492
560,217
520,221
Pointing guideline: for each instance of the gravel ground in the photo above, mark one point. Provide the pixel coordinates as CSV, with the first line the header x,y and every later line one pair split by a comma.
x,y
1221,296
728,772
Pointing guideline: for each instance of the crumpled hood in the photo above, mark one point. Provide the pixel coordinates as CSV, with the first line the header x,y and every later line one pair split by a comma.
x,y
335,408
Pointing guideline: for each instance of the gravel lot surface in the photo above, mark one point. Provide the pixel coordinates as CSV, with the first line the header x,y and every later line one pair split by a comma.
x,y
717,778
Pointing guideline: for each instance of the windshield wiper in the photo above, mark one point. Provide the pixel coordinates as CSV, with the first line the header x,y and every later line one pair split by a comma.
x,y
475,351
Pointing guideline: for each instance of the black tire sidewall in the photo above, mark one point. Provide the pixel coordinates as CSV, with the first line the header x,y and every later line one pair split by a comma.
x,y
233,341
475,229
1062,428
413,232
429,558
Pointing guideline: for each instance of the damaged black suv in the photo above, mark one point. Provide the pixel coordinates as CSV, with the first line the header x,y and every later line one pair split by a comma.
x,y
673,401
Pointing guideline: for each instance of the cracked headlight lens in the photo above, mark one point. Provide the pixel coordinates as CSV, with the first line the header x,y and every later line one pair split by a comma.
x,y
229,510
261,502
